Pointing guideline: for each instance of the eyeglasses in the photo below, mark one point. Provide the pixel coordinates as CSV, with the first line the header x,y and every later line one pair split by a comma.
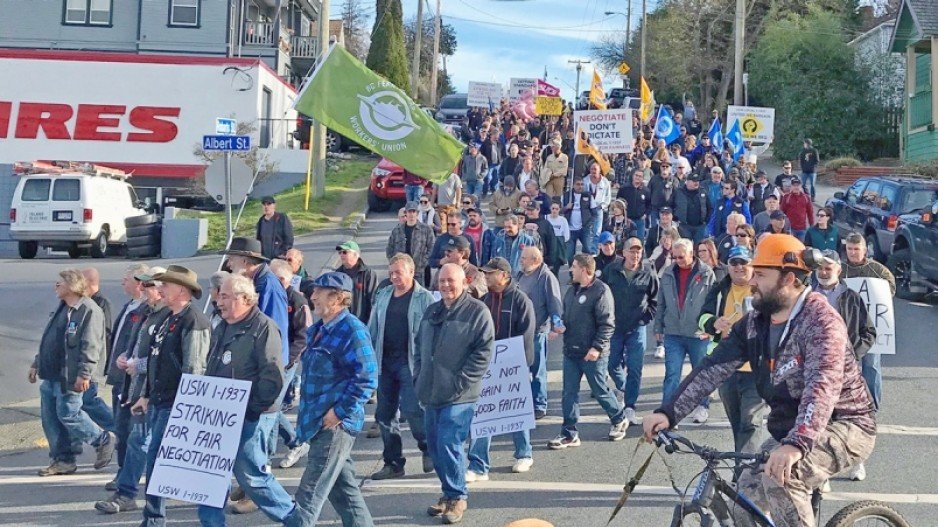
x,y
343,251
821,215
738,262
703,253
786,168
467,203
424,202
452,224
742,235
149,284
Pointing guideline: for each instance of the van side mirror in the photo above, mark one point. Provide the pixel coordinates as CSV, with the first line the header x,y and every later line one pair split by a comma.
x,y
839,195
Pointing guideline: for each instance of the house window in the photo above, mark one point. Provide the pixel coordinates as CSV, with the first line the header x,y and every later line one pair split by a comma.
x,y
184,12
88,12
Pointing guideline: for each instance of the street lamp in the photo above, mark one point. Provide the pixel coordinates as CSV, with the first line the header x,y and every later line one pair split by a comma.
x,y
628,37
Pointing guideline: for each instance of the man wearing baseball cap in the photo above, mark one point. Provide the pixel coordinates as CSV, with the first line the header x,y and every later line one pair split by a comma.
x,y
364,278
554,170
339,374
473,168
274,230
821,417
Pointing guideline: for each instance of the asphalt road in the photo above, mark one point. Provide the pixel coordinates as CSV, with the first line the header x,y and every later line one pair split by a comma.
x,y
576,487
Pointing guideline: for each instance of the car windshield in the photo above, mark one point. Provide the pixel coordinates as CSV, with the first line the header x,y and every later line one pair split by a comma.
x,y
454,102
919,198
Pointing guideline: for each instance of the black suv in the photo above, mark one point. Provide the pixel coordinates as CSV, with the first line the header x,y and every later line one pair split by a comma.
x,y
914,258
872,207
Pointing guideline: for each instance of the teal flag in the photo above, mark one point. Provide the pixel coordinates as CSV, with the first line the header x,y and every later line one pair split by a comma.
x,y
347,97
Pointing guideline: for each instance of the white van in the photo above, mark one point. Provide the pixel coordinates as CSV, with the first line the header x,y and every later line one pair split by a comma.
x,y
70,206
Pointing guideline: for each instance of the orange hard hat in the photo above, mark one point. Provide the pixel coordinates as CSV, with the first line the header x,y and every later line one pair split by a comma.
x,y
783,251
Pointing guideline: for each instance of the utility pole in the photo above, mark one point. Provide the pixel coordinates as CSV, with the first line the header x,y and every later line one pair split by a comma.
x,y
641,67
738,52
415,67
579,67
436,55
317,143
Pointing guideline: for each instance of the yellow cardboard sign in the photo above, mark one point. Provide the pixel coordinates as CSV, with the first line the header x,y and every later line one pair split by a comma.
x,y
548,105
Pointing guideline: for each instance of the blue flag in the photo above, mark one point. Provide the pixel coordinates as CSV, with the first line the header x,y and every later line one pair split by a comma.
x,y
734,136
664,126
716,135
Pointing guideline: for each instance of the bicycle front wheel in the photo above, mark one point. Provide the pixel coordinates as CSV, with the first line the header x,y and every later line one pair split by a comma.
x,y
868,513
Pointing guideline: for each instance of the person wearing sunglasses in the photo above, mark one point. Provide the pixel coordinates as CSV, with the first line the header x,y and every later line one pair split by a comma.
x,y
454,228
726,304
823,235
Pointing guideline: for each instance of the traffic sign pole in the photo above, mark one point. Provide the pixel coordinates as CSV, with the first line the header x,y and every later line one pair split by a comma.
x,y
228,197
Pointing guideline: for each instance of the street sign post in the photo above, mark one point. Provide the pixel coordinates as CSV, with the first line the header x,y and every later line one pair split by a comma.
x,y
225,126
227,144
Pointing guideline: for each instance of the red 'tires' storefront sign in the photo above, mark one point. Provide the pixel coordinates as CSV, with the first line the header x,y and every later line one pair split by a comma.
x,y
93,122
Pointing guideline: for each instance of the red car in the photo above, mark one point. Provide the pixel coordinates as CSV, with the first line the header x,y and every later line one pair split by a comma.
x,y
387,186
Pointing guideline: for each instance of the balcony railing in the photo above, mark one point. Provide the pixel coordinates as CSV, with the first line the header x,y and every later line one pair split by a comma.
x,y
920,110
304,47
259,34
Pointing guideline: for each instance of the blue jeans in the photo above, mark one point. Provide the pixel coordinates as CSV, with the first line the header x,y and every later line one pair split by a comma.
x,y
96,408
872,370
807,181
257,483
413,192
154,513
330,474
697,234
135,457
597,223
396,392
745,410
474,188
675,349
65,422
284,428
641,225
479,450
447,431
799,234
627,349
539,371
121,424
595,372
585,237
491,178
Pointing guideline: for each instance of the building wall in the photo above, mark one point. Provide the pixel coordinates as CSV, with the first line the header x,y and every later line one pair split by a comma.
x,y
211,36
38,24
921,146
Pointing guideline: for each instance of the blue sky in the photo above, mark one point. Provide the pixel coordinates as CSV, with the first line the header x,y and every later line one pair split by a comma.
x,y
499,39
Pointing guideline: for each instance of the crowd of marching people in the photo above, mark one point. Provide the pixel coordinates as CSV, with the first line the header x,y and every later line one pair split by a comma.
x,y
528,239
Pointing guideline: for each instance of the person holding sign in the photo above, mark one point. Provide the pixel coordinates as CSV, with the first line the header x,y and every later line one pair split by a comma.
x,y
589,319
339,375
396,316
454,346
859,265
246,346
179,345
513,314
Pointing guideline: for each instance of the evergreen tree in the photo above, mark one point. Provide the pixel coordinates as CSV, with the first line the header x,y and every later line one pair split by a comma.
x,y
387,55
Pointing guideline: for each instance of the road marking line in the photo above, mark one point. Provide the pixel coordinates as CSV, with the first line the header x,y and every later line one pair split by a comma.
x,y
648,490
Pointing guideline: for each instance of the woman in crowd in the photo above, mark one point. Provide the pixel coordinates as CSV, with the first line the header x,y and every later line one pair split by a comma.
x,y
618,224
823,235
746,237
707,252
660,258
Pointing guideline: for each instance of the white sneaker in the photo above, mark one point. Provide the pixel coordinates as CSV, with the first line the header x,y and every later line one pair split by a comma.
x,y
659,352
472,476
857,472
632,417
826,487
522,465
294,455
700,415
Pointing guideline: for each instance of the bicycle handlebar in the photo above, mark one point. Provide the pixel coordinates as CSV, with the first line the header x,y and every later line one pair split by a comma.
x,y
672,441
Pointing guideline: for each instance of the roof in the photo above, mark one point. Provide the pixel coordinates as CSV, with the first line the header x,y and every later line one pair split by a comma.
x,y
917,20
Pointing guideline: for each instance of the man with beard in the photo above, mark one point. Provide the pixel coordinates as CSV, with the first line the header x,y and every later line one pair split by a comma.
x,y
548,243
821,417
479,235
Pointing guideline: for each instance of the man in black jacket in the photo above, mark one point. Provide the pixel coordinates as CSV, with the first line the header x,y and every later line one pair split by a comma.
x,y
852,308
246,346
549,244
577,205
274,230
661,189
364,279
93,405
513,314
692,208
638,200
589,322
635,292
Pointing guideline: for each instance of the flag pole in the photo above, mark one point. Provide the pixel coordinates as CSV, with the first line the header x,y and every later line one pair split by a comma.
x,y
309,174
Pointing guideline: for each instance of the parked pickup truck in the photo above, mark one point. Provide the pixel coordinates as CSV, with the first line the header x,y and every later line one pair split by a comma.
x,y
914,258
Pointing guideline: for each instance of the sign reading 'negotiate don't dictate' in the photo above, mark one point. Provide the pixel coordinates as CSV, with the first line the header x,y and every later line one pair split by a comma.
x,y
198,450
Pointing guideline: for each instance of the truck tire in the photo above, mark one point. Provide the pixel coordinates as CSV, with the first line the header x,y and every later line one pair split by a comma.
x,y
144,251
152,229
377,204
28,250
142,241
899,264
74,251
99,245
144,219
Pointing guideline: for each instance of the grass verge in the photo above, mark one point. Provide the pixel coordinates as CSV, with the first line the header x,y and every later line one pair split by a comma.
x,y
345,190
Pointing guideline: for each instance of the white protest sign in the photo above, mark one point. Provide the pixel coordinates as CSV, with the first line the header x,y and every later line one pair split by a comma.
x,y
517,87
757,124
198,449
505,403
482,94
609,130
876,295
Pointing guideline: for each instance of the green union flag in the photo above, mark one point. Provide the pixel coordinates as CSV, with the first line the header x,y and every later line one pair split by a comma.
x,y
350,99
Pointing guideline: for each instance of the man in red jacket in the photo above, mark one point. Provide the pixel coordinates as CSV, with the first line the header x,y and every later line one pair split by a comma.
x,y
799,209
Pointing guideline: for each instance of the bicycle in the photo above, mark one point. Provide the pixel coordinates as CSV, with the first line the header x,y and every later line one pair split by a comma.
x,y
709,507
